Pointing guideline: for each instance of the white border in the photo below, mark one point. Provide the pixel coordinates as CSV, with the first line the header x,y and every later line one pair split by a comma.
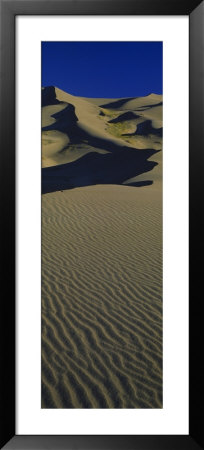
x,y
173,418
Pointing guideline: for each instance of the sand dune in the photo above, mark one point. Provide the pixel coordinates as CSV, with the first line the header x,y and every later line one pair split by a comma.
x,y
101,251
134,103
102,298
73,127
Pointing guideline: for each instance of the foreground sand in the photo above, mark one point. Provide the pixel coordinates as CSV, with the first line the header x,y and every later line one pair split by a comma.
x,y
102,297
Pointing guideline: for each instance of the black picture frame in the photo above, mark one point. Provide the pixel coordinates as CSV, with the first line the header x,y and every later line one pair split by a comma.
x,y
9,9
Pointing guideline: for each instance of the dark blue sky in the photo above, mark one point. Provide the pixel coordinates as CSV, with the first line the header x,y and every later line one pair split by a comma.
x,y
103,69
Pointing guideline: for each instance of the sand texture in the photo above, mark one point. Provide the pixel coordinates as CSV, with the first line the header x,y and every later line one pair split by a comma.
x,y
101,252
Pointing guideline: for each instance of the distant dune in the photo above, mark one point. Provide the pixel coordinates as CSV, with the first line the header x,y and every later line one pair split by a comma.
x,y
101,251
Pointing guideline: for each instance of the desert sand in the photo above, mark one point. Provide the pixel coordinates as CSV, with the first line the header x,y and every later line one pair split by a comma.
x,y
101,251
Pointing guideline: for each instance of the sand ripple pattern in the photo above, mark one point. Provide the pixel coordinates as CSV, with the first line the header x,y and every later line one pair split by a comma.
x,y
102,298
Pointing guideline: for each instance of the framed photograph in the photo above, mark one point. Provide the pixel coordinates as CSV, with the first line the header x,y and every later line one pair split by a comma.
x,y
101,169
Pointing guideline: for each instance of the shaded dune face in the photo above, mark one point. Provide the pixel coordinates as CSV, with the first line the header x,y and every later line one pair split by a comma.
x,y
49,96
112,168
134,103
142,108
117,104
125,116
145,128
65,121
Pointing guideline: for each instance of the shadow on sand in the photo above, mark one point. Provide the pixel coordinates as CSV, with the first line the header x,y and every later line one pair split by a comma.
x,y
144,129
129,115
94,168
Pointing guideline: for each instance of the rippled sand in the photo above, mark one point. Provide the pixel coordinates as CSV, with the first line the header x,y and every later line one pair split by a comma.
x,y
102,297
